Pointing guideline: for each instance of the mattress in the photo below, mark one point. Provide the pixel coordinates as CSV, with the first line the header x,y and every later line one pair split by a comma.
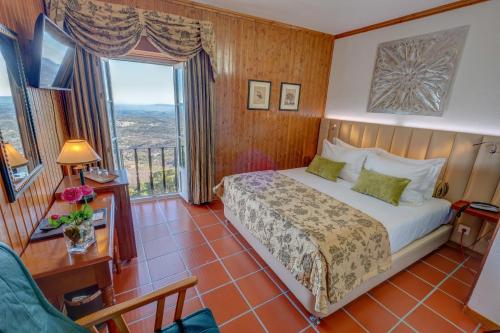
x,y
404,223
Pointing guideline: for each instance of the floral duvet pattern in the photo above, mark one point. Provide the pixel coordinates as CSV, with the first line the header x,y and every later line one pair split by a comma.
x,y
330,247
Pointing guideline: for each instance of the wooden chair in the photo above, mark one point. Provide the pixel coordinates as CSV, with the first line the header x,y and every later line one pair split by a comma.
x,y
28,310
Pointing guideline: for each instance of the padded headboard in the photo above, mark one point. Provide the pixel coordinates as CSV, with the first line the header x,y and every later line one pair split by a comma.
x,y
471,171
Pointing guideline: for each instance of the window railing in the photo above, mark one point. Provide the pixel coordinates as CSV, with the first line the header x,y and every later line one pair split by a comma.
x,y
151,170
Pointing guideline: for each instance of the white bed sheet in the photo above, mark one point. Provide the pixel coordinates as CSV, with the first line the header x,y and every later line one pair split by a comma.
x,y
404,223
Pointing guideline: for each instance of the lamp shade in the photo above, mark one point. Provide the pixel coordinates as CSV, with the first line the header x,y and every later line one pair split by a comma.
x,y
76,152
16,159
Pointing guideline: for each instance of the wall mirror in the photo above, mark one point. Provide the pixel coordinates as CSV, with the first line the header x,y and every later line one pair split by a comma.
x,y
20,160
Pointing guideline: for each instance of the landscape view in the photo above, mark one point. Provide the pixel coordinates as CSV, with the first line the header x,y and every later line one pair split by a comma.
x,y
142,129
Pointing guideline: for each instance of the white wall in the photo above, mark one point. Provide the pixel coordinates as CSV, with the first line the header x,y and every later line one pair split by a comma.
x,y
485,298
474,104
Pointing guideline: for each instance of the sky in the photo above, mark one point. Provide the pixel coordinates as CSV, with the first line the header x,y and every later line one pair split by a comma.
x,y
140,83
4,79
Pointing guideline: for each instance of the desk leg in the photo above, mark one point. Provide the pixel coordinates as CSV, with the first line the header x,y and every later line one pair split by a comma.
x,y
105,283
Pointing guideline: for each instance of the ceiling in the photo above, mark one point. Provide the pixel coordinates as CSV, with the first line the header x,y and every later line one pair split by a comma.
x,y
330,16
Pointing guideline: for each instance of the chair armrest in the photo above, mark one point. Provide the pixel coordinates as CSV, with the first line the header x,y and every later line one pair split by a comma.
x,y
116,310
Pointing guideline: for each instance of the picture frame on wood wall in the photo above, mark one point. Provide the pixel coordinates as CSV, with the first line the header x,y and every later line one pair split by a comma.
x,y
259,95
289,96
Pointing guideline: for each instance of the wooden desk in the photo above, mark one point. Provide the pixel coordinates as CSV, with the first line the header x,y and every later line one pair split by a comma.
x,y
57,272
124,223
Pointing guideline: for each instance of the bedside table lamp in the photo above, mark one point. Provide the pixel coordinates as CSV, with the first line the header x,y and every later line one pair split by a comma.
x,y
78,153
16,159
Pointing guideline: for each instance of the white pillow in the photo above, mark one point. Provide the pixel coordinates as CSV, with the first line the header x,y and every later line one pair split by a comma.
x,y
434,170
415,191
352,157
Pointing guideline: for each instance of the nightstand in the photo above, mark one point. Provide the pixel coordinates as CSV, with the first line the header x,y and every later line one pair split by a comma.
x,y
482,214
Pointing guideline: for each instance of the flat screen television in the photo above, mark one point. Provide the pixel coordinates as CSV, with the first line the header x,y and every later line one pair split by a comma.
x,y
53,56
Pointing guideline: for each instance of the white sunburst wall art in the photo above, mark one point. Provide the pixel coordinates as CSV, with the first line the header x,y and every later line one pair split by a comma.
x,y
414,76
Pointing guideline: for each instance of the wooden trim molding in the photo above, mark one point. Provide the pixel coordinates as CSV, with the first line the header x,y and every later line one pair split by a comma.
x,y
411,17
486,323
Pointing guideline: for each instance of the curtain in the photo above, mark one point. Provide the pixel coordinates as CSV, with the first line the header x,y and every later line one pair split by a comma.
x,y
111,30
86,114
200,110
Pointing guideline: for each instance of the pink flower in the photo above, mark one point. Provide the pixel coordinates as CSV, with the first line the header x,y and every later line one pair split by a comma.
x,y
87,190
72,194
55,217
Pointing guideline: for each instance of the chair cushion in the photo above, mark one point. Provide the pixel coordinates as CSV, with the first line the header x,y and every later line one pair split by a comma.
x,y
199,322
23,307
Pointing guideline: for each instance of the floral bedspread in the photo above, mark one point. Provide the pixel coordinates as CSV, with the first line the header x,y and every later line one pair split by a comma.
x,y
329,246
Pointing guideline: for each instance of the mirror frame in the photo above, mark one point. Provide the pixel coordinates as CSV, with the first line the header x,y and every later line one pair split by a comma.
x,y
15,190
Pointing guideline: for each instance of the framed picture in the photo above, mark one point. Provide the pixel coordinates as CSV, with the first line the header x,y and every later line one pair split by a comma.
x,y
290,96
259,95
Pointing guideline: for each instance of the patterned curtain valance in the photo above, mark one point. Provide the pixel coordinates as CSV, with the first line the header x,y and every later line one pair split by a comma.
x,y
110,30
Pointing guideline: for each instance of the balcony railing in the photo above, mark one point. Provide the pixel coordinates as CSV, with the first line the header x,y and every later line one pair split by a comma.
x,y
151,170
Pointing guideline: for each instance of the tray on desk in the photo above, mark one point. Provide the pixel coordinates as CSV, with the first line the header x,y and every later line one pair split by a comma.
x,y
40,234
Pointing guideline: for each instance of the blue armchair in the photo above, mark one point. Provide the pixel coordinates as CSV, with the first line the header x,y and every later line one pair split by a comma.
x,y
23,307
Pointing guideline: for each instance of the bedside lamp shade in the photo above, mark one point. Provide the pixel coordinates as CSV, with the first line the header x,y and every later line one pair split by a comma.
x,y
16,159
75,152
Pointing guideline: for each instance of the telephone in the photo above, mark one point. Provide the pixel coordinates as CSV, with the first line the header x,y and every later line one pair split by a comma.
x,y
485,206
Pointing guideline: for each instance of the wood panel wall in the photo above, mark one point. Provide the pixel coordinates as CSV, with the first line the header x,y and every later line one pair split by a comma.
x,y
17,220
252,48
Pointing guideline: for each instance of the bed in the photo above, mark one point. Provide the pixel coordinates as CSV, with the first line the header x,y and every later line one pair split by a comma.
x,y
413,231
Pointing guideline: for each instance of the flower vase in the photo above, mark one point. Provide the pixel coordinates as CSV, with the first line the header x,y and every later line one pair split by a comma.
x,y
78,237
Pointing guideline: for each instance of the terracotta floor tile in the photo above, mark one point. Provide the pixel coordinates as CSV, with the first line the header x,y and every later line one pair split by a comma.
x,y
465,275
141,312
339,322
240,264
451,309
190,306
247,323
297,303
456,289
216,205
155,231
371,315
182,225
411,284
258,288
220,215
441,263
276,279
177,214
281,316
243,241
226,246
166,265
231,228
196,209
450,253
426,321
171,300
427,273
131,277
149,213
257,258
146,325
473,263
216,231
225,303
403,328
189,239
210,276
159,246
393,298
196,256
205,220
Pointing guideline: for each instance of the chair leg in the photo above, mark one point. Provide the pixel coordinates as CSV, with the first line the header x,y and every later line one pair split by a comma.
x,y
160,306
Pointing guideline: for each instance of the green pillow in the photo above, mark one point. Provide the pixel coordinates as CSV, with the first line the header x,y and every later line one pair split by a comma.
x,y
325,168
380,186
